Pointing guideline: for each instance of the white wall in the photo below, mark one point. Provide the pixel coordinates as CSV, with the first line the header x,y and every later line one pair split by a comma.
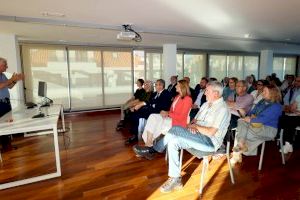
x,y
9,49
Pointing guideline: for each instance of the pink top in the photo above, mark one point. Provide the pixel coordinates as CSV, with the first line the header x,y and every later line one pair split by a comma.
x,y
180,110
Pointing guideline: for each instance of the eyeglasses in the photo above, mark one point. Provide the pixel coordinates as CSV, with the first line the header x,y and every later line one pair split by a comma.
x,y
259,84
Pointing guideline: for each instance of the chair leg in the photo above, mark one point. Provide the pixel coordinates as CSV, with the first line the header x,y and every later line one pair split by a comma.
x,y
180,158
203,173
166,156
228,161
261,155
281,146
1,158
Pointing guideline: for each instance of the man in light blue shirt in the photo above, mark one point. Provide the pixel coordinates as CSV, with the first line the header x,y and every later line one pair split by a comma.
x,y
292,93
5,106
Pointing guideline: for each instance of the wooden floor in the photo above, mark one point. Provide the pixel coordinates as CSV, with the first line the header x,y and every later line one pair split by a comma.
x,y
97,165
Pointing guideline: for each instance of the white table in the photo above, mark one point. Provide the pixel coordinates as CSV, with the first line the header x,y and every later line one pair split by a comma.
x,y
23,122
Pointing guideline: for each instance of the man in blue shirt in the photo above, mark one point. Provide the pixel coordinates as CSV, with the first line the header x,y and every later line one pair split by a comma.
x,y
5,106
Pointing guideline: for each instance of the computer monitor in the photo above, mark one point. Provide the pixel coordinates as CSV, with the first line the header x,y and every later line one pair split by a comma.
x,y
42,90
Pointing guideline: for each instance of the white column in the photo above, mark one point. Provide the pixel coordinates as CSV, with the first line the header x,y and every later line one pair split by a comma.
x,y
266,63
10,51
169,61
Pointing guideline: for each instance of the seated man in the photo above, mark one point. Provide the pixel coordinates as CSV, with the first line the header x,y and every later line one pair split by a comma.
x,y
201,98
205,133
239,103
172,87
160,100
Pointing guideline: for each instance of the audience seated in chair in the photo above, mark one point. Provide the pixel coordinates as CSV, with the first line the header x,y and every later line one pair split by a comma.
x,y
172,87
259,125
257,94
239,103
159,124
201,98
205,133
160,100
291,119
230,89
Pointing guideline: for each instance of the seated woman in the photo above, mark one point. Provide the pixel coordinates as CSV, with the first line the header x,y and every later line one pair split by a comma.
x,y
138,95
259,125
288,122
257,94
158,124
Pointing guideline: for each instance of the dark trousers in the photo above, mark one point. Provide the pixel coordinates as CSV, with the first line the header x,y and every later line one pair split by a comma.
x,y
5,107
144,112
288,124
233,121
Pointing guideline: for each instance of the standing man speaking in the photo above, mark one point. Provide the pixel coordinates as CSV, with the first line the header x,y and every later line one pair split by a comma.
x,y
5,105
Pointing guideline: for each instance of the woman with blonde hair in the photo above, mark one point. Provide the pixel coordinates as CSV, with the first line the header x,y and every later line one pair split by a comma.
x,y
158,124
259,125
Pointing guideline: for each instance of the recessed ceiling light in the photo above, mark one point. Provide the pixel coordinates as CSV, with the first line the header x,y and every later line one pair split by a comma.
x,y
52,14
288,39
247,35
62,40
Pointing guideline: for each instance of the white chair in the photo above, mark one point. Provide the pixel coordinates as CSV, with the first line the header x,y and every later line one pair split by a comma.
x,y
263,150
205,162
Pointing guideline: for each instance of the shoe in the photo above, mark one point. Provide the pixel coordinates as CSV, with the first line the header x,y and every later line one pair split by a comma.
x,y
287,148
120,125
145,152
131,140
236,158
171,184
140,149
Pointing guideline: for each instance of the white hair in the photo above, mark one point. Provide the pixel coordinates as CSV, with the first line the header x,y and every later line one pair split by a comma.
x,y
216,86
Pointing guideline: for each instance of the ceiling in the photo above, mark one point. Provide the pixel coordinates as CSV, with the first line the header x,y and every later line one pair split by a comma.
x,y
197,24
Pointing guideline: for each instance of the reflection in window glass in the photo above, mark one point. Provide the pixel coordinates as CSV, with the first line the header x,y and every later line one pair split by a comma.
x,y
153,66
217,66
86,79
117,77
194,67
179,66
49,64
283,66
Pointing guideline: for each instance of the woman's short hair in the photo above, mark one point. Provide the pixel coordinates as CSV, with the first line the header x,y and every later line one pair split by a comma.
x,y
184,87
275,94
3,60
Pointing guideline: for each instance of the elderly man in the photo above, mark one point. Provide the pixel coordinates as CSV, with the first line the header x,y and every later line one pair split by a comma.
x,y
239,103
172,87
5,106
205,133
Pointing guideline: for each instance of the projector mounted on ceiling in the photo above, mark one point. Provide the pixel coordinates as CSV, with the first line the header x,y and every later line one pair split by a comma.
x,y
128,34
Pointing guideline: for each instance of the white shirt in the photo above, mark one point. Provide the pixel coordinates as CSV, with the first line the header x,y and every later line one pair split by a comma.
x,y
218,116
199,97
256,98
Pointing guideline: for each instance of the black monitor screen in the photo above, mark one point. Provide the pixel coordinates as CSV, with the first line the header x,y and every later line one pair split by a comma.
x,y
42,90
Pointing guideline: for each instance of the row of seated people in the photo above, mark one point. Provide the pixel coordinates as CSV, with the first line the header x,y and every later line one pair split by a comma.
x,y
170,129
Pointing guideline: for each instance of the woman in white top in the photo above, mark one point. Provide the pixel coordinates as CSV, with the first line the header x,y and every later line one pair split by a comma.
x,y
158,124
257,94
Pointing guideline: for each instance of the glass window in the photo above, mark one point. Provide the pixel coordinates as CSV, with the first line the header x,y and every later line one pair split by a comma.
x,y
290,66
283,66
179,66
117,77
49,64
153,66
217,66
235,67
85,78
139,65
194,67
251,66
